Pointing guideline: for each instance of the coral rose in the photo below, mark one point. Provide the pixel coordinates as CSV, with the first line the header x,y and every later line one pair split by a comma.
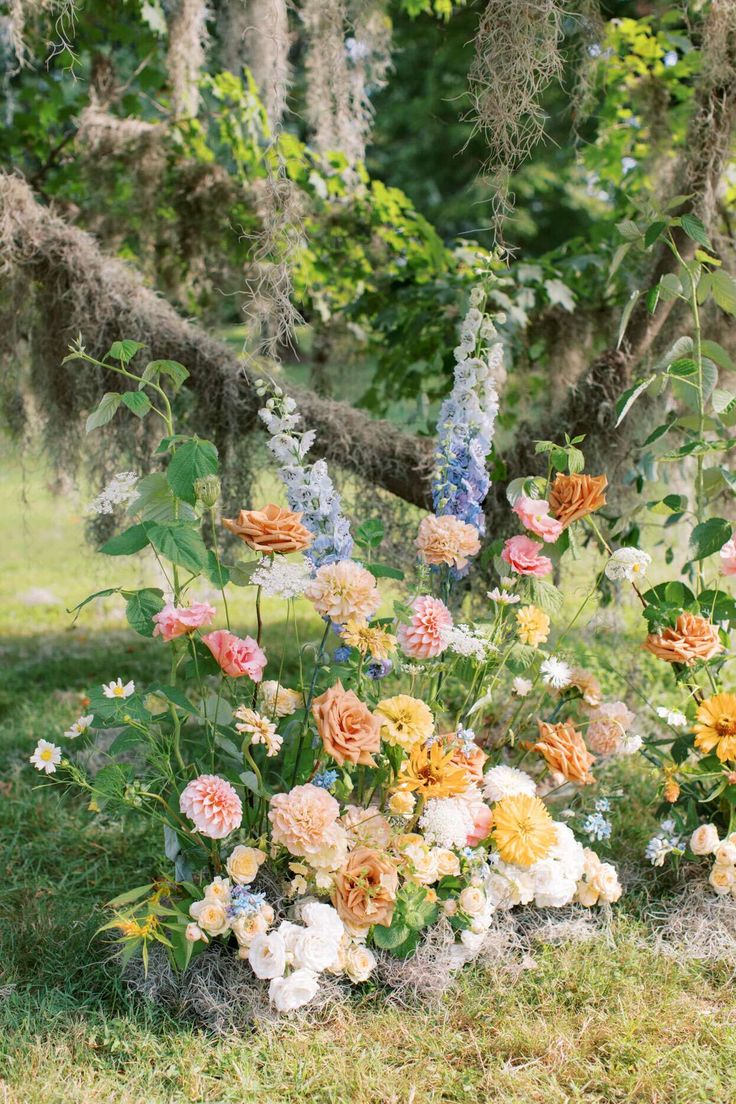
x,y
428,632
365,890
272,529
236,656
213,806
447,540
173,621
301,819
728,557
522,555
608,726
533,513
343,590
575,496
348,730
565,752
692,638
471,758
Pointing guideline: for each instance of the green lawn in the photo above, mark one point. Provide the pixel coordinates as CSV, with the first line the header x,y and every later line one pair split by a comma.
x,y
600,1021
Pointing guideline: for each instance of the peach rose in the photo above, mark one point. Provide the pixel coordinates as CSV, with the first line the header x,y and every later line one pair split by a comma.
x,y
302,819
447,540
365,890
471,757
575,496
692,638
272,529
565,752
236,656
522,555
348,730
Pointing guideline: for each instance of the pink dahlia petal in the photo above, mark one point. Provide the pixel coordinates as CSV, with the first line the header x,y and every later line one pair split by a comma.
x,y
427,633
212,805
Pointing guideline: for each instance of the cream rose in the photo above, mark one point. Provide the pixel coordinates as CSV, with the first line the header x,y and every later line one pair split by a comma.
x,y
402,803
725,853
210,915
243,864
246,928
472,901
218,890
424,867
267,955
289,993
704,840
606,883
722,878
359,963
448,864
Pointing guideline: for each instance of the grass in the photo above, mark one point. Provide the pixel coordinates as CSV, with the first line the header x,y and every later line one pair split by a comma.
x,y
604,1021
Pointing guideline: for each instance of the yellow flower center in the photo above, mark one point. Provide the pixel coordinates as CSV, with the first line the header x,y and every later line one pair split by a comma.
x,y
47,754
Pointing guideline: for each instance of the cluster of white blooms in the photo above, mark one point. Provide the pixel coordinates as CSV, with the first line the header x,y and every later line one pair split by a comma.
x,y
673,717
706,841
663,843
469,642
119,492
309,488
627,563
502,781
556,673
447,821
476,905
279,578
550,883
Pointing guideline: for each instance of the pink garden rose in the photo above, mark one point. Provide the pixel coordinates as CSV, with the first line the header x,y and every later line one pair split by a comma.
x,y
237,656
728,557
533,513
522,555
213,805
427,633
482,820
175,621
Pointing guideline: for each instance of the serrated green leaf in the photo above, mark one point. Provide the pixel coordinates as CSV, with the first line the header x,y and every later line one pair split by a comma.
x,y
709,537
695,230
545,595
155,501
104,412
141,607
178,542
137,403
389,938
383,571
723,287
653,232
176,372
127,543
191,461
124,350
723,401
629,397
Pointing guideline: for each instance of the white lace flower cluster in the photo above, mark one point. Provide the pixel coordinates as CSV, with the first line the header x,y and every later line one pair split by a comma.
x,y
447,821
309,487
469,642
467,420
119,492
279,578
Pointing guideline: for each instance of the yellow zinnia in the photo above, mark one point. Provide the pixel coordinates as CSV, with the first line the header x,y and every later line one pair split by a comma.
x,y
430,772
716,726
368,639
523,830
532,625
405,721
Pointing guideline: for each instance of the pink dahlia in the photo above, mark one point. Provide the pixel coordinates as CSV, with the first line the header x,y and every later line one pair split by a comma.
x,y
213,806
237,656
522,555
728,557
175,621
533,513
427,633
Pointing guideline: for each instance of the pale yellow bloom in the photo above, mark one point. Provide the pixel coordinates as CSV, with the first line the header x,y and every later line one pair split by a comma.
x,y
532,625
405,721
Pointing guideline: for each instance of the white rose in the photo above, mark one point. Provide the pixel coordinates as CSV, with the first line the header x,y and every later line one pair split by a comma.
x,y
472,901
246,928
315,914
704,840
725,853
472,941
291,934
218,890
552,887
722,878
288,993
316,950
267,955
360,962
210,915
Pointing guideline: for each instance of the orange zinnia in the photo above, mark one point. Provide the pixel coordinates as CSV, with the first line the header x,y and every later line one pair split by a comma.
x,y
431,772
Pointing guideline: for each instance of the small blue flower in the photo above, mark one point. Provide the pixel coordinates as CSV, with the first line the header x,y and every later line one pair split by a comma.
x,y
379,668
326,780
244,902
597,827
602,805
341,654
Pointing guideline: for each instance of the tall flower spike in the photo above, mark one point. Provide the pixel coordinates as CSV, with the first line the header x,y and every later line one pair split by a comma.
x,y
309,488
467,420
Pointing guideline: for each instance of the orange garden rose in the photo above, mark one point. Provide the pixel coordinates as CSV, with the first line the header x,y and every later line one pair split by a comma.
x,y
447,540
693,638
348,730
365,889
272,529
575,496
565,752
471,760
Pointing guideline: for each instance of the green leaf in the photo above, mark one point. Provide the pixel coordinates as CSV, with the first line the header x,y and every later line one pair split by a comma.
x,y
190,462
724,402
632,300
370,533
127,543
240,573
383,571
716,353
141,607
653,232
670,286
629,397
723,287
91,597
178,542
124,350
628,230
176,372
217,573
709,537
156,502
545,595
130,896
695,230
388,938
104,412
137,403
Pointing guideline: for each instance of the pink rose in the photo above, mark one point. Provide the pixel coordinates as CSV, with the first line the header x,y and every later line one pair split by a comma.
x,y
175,621
522,555
236,656
728,557
482,819
533,513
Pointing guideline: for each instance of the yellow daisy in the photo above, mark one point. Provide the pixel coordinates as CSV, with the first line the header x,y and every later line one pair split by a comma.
x,y
430,772
716,726
368,639
523,830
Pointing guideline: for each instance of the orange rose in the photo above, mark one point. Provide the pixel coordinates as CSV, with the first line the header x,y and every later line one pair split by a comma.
x,y
691,639
271,529
564,750
575,496
347,728
473,760
365,890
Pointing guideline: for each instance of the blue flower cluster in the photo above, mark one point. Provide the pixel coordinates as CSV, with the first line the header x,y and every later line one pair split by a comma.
x,y
326,780
243,902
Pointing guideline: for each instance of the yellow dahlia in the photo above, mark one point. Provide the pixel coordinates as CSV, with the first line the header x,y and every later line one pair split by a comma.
x,y
368,639
716,726
523,830
405,721
430,772
532,625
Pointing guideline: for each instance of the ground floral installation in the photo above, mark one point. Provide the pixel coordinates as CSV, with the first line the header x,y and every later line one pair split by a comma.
x,y
406,778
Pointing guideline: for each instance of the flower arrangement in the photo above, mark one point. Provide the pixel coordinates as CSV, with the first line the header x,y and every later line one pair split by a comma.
x,y
314,822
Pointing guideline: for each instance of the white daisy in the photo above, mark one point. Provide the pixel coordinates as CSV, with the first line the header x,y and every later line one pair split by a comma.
x,y
80,727
521,686
672,716
116,689
628,563
46,757
556,673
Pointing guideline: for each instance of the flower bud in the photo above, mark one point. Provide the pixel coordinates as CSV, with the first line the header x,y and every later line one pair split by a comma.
x,y
207,489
